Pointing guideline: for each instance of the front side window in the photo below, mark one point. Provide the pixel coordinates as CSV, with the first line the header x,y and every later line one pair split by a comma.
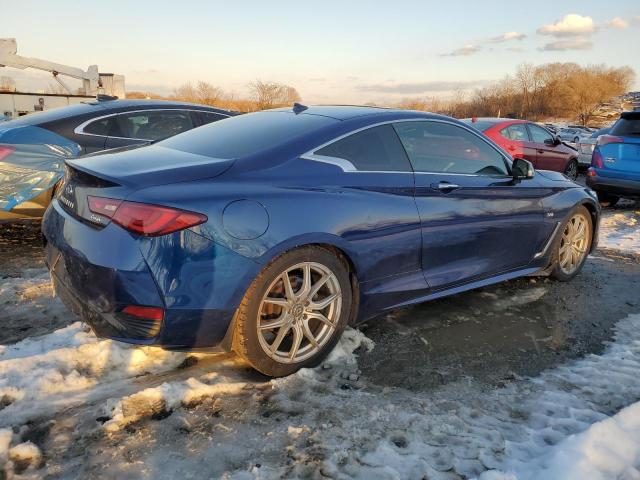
x,y
374,149
208,117
539,134
516,132
154,125
446,148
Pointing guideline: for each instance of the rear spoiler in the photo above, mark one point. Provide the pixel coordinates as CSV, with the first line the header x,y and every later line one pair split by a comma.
x,y
631,115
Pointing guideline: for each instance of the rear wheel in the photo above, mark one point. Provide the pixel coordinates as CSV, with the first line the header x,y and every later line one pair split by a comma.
x,y
571,170
294,312
574,244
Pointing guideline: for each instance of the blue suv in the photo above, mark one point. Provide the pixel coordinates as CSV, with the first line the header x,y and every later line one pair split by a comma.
x,y
615,164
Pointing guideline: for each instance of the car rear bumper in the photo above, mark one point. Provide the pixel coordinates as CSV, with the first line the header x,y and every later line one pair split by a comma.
x,y
614,186
98,272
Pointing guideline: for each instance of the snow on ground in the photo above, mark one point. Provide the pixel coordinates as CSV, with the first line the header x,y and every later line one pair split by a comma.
x,y
64,365
330,422
620,230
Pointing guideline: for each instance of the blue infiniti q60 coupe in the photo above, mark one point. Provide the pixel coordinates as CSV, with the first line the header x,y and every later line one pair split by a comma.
x,y
268,233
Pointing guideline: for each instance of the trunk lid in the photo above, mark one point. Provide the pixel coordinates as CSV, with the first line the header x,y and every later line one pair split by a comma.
x,y
145,166
117,175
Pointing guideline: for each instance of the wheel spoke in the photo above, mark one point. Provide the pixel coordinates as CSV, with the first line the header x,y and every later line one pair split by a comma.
x,y
278,322
297,340
282,302
318,285
288,290
279,337
324,303
306,281
322,318
307,333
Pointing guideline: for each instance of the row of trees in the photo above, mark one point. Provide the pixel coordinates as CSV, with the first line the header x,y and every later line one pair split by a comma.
x,y
263,95
553,90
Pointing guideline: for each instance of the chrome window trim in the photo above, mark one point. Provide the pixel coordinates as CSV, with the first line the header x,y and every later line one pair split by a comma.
x,y
349,167
79,130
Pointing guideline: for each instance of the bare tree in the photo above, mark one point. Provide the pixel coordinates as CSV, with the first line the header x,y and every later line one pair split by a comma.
x,y
272,94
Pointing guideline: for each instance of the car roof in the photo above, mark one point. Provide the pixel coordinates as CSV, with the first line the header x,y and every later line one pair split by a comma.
x,y
494,120
341,112
99,107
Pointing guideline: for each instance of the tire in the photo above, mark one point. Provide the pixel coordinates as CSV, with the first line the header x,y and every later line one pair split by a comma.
x,y
607,200
565,269
292,316
571,169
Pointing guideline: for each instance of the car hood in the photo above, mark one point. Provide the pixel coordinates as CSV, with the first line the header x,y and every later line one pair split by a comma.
x,y
150,165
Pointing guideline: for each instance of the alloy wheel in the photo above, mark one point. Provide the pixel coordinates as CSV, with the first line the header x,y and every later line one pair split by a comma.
x,y
572,170
574,244
299,312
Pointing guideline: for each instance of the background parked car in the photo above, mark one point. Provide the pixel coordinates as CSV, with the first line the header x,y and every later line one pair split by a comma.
x,y
615,164
92,127
530,141
27,176
573,135
587,145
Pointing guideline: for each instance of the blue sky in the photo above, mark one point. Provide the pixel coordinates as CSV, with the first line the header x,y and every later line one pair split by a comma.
x,y
331,51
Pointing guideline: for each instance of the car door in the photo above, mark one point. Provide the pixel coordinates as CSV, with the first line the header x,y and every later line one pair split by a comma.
x,y
519,143
378,188
548,155
148,125
476,220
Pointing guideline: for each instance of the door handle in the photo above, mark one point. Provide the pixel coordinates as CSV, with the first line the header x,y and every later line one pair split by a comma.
x,y
445,187
540,151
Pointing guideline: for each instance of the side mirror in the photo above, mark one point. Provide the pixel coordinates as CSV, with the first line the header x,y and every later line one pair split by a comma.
x,y
557,140
522,169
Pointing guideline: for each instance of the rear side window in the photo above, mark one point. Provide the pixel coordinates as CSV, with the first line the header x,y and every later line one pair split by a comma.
x,y
208,117
627,127
102,127
375,149
446,148
517,132
154,125
246,135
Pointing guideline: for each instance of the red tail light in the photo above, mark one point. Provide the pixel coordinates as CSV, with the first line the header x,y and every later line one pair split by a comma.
x,y
149,313
5,151
606,139
145,219
596,159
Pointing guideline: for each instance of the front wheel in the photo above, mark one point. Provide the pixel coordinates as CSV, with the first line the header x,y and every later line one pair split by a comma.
x,y
571,170
294,312
607,200
573,246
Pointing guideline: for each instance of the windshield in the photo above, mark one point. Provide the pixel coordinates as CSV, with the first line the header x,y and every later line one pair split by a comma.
x,y
627,127
245,135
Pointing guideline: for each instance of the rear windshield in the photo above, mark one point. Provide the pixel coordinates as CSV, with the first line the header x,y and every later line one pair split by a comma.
x,y
245,135
627,127
481,125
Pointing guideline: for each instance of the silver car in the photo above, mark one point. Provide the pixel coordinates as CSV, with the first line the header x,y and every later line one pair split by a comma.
x,y
587,145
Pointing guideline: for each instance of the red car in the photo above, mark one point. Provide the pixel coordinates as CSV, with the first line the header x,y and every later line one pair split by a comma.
x,y
528,140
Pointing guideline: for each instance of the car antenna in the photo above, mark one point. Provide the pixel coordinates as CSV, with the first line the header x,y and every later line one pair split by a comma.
x,y
299,108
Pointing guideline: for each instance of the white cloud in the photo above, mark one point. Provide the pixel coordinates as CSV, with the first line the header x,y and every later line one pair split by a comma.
x,y
569,44
516,48
618,23
465,51
506,37
570,25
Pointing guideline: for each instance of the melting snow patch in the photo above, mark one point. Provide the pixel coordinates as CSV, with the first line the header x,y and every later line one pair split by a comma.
x,y
620,231
68,361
